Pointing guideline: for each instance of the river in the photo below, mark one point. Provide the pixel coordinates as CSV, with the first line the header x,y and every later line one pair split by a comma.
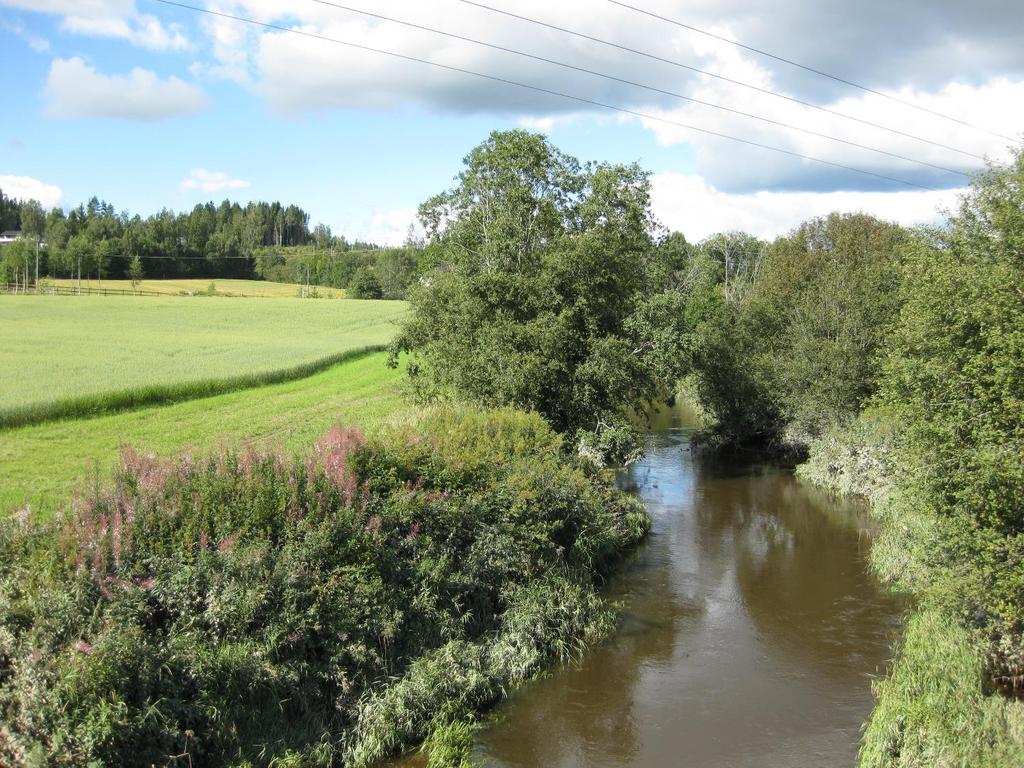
x,y
750,631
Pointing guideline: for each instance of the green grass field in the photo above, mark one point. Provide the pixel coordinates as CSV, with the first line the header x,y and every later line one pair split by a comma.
x,y
252,288
102,352
40,465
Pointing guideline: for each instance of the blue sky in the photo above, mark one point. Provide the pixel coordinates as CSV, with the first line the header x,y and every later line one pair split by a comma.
x,y
130,101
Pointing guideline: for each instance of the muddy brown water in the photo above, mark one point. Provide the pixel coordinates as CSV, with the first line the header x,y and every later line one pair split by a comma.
x,y
750,631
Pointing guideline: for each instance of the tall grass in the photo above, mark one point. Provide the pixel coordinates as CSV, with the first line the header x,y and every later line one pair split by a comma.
x,y
934,709
41,465
90,406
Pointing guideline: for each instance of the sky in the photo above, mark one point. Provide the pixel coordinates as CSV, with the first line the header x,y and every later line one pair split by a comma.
x,y
149,105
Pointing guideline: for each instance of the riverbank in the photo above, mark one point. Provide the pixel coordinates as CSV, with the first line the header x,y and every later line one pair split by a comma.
x,y
942,703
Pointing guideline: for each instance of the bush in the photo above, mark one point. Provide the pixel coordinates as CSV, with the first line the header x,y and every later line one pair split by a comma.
x,y
364,285
854,458
247,607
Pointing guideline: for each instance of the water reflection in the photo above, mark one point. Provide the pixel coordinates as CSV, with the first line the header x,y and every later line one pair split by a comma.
x,y
749,632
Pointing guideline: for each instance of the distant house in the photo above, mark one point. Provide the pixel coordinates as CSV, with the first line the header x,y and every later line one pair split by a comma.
x,y
9,236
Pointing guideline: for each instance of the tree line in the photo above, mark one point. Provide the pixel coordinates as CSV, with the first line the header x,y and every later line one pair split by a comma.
x,y
260,240
209,241
365,270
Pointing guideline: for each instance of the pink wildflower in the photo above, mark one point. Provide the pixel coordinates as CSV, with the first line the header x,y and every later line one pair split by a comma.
x,y
248,460
334,450
227,544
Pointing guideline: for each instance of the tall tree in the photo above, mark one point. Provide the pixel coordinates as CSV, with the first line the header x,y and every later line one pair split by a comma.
x,y
10,213
33,225
544,263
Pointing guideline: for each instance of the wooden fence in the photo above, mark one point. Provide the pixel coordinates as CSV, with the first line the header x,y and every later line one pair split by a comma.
x,y
70,290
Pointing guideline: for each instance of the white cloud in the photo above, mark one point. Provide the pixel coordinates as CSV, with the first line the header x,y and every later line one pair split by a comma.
x,y
211,181
386,227
27,188
548,123
689,204
297,74
997,104
144,31
231,43
75,89
117,19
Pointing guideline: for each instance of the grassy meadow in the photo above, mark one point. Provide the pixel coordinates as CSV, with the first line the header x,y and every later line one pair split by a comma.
x,y
67,356
200,286
41,465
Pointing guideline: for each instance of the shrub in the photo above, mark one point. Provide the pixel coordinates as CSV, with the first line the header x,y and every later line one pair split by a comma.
x,y
249,607
364,285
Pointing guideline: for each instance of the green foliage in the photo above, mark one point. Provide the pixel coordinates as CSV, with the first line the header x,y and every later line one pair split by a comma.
x,y
17,262
826,297
10,213
364,285
729,259
955,382
393,270
246,607
940,452
735,381
211,240
135,271
933,709
794,344
854,458
546,294
33,220
450,746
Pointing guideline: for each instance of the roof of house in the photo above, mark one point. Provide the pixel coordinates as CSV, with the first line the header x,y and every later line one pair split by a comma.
x,y
11,233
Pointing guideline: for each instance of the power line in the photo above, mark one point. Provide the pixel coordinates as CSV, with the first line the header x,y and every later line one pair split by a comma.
x,y
255,256
838,79
723,78
651,88
539,89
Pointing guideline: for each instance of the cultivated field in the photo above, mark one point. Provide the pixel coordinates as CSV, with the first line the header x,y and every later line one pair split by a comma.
x,y
200,286
40,465
71,356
